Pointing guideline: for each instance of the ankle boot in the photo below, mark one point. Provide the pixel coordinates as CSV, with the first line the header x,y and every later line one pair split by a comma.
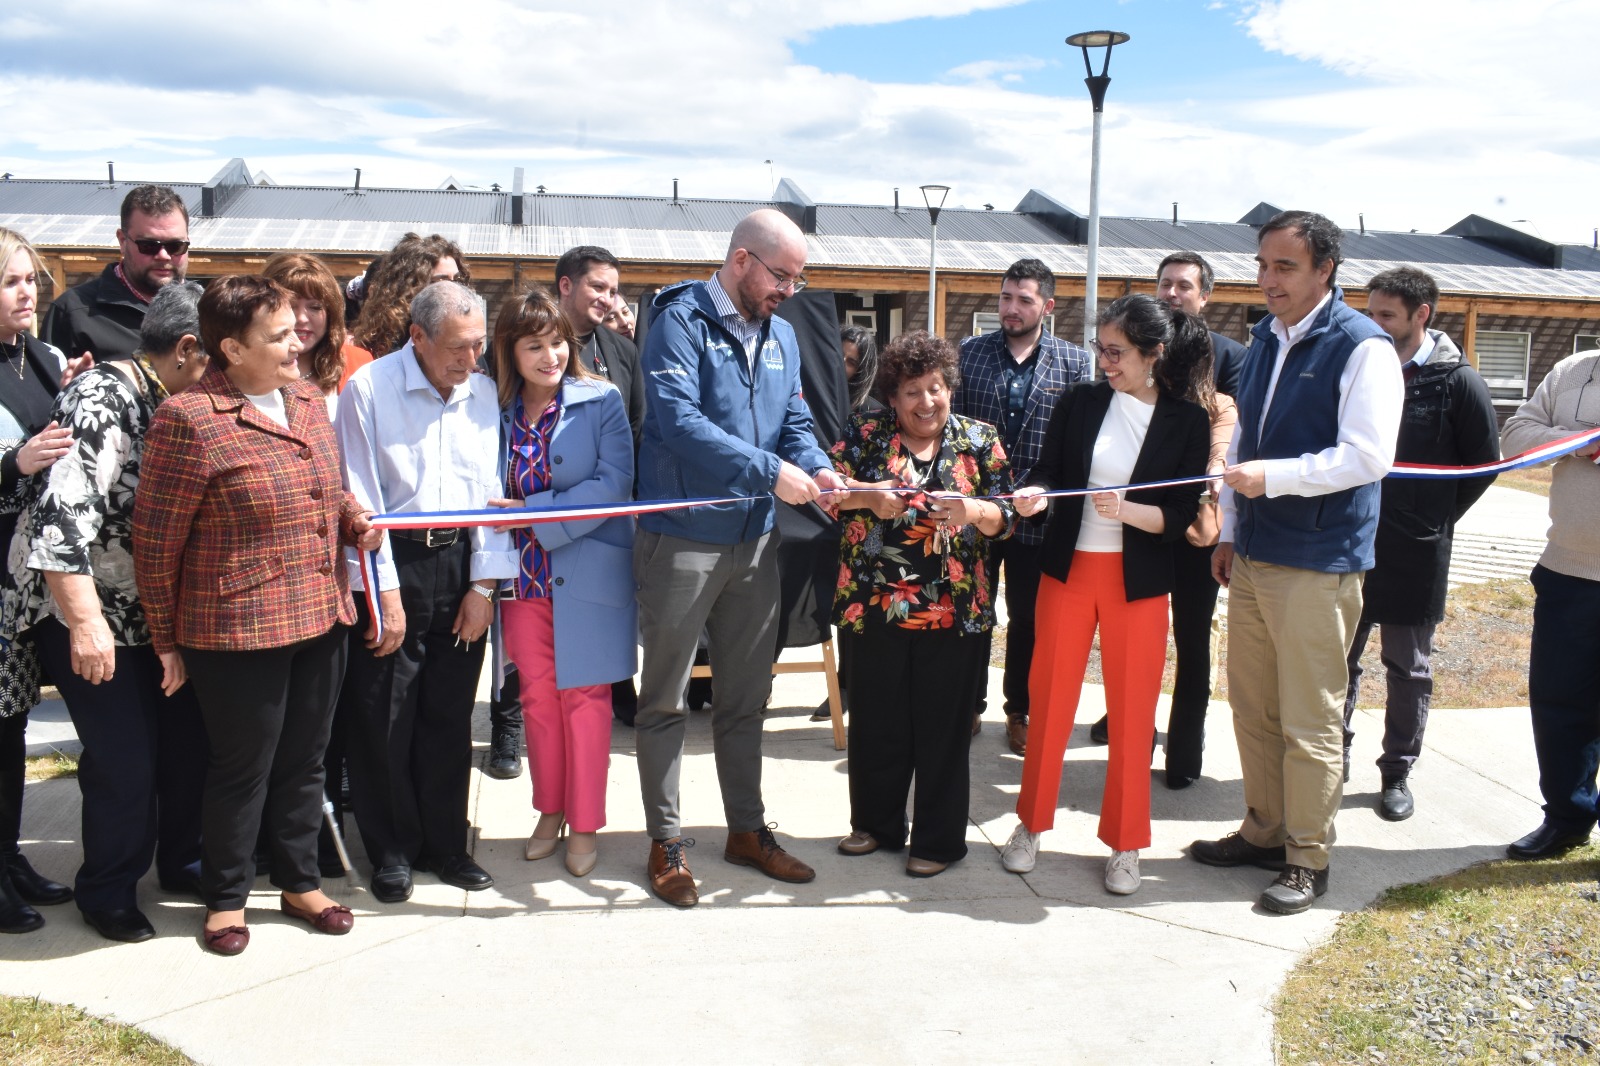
x,y
15,915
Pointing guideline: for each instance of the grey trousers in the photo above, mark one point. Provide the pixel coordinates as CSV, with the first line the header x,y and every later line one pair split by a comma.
x,y
1405,653
732,591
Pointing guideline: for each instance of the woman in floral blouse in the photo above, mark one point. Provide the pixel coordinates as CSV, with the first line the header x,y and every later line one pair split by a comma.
x,y
144,753
914,600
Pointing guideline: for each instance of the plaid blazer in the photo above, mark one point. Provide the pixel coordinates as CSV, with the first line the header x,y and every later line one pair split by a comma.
x,y
238,522
982,396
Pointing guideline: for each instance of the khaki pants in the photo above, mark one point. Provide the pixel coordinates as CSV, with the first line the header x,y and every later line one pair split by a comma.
x,y
1288,631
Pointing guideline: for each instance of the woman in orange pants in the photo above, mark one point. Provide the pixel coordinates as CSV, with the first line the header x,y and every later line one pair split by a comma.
x,y
1110,566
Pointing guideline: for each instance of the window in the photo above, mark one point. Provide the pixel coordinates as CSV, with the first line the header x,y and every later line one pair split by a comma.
x,y
1584,342
1503,362
865,319
988,322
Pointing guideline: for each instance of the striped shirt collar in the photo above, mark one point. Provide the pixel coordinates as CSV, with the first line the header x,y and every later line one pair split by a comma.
x,y
735,323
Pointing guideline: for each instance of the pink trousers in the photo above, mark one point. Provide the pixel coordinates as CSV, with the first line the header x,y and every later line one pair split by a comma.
x,y
568,730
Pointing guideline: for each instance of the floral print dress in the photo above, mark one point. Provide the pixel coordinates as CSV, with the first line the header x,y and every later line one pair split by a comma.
x,y
907,571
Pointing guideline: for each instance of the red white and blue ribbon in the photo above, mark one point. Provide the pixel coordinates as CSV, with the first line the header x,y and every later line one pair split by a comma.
x,y
501,517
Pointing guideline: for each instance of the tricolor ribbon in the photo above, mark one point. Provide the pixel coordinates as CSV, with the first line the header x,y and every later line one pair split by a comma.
x,y
499,517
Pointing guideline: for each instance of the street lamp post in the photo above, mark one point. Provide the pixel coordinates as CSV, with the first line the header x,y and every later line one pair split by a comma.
x,y
1098,83
929,193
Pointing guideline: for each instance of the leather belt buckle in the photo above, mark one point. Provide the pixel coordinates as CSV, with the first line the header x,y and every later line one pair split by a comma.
x,y
440,538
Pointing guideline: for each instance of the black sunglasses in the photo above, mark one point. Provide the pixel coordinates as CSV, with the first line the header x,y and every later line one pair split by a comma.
x,y
150,246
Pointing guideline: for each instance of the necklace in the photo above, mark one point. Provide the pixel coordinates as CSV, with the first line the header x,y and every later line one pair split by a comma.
x,y
22,356
152,379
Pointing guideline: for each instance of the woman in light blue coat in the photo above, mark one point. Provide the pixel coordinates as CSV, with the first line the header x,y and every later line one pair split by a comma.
x,y
568,618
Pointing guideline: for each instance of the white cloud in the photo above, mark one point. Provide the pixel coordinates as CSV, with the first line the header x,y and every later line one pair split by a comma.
x,y
1448,108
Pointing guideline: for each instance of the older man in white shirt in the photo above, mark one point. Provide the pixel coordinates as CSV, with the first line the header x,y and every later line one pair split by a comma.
x,y
1319,410
420,431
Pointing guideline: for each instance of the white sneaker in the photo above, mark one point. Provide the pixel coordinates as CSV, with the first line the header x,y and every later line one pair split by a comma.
x,y
1021,851
1122,873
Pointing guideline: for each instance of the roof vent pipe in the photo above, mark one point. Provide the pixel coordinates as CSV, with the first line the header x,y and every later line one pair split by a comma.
x,y
1174,212
674,190
358,179
897,200
1363,219
1597,239
111,173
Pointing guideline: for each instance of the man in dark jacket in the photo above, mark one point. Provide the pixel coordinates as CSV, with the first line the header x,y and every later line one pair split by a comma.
x,y
587,278
1448,420
723,419
101,317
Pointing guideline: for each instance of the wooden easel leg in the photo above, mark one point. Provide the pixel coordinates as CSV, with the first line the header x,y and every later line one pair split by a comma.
x,y
830,667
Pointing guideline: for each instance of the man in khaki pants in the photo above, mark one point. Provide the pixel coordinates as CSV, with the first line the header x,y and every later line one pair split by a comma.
x,y
1319,410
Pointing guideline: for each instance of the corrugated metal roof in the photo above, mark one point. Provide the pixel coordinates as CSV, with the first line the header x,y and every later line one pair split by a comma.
x,y
659,229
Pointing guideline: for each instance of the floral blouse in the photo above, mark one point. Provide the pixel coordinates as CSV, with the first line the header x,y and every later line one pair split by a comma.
x,y
80,521
902,568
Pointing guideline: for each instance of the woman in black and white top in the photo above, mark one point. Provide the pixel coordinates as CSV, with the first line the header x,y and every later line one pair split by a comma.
x,y
1107,563
143,767
30,376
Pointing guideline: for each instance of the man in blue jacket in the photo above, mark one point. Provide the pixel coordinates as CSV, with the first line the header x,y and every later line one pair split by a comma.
x,y
1319,409
723,419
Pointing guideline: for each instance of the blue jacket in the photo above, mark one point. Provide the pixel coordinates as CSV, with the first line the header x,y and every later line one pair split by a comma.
x,y
591,561
712,427
1333,533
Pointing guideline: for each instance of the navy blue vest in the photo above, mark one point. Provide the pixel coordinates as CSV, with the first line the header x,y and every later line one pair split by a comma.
x,y
1331,533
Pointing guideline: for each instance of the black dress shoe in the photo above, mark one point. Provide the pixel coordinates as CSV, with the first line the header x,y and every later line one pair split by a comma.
x,y
1176,781
32,886
15,915
1235,850
1100,732
183,885
1395,805
460,871
126,924
391,884
1545,841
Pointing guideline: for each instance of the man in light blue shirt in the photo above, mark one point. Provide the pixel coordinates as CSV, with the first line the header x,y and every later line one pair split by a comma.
x,y
420,431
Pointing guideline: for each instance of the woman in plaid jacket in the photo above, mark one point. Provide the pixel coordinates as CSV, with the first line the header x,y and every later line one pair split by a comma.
x,y
238,526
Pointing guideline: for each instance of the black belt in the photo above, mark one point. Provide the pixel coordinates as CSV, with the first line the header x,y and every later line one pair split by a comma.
x,y
434,538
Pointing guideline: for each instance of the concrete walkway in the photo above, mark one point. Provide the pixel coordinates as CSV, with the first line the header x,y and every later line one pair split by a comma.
x,y
863,965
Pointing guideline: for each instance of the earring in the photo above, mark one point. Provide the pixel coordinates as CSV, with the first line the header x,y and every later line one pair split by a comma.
x,y
180,362
1149,380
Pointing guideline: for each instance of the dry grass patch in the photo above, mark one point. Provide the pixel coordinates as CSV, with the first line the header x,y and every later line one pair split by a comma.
x,y
1490,965
1534,479
47,767
35,1033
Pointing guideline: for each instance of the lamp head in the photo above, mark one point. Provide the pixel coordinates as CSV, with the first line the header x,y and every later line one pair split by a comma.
x,y
933,196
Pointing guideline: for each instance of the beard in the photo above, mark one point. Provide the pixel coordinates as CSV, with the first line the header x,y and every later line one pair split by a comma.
x,y
145,282
1018,332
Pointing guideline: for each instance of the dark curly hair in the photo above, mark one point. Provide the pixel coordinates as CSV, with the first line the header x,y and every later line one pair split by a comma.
x,y
405,271
912,355
1179,341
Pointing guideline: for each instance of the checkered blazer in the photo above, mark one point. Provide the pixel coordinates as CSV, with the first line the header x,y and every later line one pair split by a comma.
x,y
238,522
982,396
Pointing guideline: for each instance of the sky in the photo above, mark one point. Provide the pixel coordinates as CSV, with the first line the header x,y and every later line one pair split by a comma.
x,y
1411,113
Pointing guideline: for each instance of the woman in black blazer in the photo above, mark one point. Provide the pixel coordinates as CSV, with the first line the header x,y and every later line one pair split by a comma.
x,y
1110,565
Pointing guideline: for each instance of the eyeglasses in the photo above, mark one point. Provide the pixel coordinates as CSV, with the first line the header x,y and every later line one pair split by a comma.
x,y
150,246
1110,355
782,281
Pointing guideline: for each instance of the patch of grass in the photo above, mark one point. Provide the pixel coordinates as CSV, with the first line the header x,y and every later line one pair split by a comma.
x,y
51,766
35,1033
1482,966
1534,479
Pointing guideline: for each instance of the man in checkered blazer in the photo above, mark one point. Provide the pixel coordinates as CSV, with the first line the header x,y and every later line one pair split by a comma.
x,y
1012,378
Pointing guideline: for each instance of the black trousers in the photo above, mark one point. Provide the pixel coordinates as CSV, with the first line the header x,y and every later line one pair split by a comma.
x,y
142,774
410,736
268,713
911,696
1021,562
1194,601
505,710
1564,696
13,776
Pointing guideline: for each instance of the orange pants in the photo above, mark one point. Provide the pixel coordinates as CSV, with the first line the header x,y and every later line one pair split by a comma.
x,y
1133,648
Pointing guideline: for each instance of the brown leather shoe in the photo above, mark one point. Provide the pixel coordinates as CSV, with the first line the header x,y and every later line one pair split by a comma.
x,y
335,920
760,849
668,872
1017,735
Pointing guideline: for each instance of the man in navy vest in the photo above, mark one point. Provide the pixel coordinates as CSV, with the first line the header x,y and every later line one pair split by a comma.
x,y
1319,410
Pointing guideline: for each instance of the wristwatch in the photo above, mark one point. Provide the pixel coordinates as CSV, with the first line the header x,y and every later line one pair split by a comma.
x,y
486,593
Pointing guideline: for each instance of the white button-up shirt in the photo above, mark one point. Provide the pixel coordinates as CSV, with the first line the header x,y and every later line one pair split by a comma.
x,y
407,449
1371,392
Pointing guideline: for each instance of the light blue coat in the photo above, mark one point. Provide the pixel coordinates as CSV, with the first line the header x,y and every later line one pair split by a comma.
x,y
591,561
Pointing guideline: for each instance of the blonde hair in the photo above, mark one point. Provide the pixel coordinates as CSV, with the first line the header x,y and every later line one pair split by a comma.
x,y
12,242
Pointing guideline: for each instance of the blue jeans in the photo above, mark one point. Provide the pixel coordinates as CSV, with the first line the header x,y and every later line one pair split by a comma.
x,y
1564,694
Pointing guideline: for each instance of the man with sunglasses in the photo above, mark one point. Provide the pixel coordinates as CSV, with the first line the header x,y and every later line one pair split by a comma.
x,y
723,419
101,317
1448,420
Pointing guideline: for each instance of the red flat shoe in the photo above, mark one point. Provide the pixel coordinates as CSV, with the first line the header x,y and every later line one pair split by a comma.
x,y
229,940
335,920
